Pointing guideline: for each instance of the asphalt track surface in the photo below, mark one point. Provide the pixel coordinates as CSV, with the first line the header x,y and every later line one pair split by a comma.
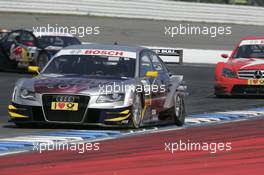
x,y
145,154
134,31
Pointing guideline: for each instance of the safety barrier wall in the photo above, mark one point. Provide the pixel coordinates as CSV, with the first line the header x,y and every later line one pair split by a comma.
x,y
142,9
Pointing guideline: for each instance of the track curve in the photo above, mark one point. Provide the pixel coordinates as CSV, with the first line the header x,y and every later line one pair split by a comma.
x,y
129,156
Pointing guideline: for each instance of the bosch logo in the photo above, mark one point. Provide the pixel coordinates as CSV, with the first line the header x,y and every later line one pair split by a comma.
x,y
258,74
104,52
65,98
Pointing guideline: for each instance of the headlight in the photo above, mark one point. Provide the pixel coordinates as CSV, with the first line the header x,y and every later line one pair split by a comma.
x,y
228,73
110,98
26,94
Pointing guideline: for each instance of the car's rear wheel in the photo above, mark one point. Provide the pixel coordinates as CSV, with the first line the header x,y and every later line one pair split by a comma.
x,y
136,111
179,113
42,60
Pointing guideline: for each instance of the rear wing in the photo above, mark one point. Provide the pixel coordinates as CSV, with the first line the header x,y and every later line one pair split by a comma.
x,y
169,55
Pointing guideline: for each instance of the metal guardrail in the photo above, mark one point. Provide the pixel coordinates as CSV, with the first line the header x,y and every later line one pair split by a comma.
x,y
143,9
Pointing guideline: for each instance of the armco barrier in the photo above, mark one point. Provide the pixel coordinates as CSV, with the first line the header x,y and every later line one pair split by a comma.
x,y
143,9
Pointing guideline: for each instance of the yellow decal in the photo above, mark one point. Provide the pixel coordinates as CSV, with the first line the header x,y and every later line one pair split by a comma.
x,y
11,107
117,119
256,82
16,115
25,55
64,106
144,111
122,112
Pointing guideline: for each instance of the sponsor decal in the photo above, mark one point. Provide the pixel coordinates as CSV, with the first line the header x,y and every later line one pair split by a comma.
x,y
19,54
117,53
65,102
104,52
256,82
64,106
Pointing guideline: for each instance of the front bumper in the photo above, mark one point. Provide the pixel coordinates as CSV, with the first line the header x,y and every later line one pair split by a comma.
x,y
101,117
235,86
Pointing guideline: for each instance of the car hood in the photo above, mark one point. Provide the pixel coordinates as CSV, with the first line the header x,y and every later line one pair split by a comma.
x,y
54,83
247,64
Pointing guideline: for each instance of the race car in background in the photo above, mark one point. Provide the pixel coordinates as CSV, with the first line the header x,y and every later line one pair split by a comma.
x,y
21,48
3,32
243,73
106,85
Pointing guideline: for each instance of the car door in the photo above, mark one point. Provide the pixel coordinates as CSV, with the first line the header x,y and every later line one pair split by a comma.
x,y
153,103
145,66
162,81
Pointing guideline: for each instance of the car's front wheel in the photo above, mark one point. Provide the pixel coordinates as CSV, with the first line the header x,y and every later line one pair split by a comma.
x,y
179,110
136,111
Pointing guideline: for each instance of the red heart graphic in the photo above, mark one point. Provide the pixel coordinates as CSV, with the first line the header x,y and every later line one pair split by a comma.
x,y
61,105
255,81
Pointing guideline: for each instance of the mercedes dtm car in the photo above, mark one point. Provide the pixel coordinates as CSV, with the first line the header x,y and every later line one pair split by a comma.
x,y
21,48
243,73
107,85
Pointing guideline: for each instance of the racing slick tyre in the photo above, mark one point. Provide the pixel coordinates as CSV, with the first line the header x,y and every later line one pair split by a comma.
x,y
42,60
137,111
179,110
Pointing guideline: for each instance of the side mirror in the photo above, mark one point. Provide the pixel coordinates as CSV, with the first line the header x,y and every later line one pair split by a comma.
x,y
224,55
33,69
152,74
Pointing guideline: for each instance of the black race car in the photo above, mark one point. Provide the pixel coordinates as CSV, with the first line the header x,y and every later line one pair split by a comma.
x,y
22,48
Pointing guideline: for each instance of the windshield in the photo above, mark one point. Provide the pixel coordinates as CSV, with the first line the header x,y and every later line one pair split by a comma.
x,y
250,51
60,41
93,65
